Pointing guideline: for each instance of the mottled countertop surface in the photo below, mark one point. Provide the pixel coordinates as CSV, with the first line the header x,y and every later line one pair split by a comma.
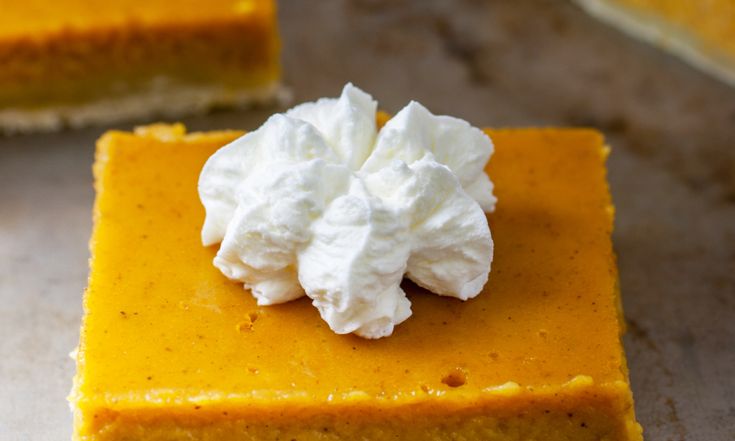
x,y
497,63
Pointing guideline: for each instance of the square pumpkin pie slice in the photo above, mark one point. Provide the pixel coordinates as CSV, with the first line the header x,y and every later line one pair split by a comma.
x,y
170,349
76,62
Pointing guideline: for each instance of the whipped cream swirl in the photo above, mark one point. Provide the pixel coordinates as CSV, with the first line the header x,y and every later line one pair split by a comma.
x,y
317,202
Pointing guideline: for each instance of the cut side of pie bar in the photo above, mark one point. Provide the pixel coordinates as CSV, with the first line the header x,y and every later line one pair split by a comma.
x,y
76,62
171,349
700,32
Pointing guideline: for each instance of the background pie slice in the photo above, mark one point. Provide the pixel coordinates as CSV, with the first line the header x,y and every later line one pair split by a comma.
x,y
700,32
76,62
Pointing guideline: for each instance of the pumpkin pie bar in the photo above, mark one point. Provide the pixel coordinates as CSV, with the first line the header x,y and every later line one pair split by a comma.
x,y
700,32
171,349
76,62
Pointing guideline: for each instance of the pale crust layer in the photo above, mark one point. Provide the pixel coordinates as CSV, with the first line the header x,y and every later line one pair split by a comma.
x,y
162,99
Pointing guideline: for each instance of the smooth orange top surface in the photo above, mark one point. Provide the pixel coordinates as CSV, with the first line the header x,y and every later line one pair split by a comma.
x,y
35,18
163,324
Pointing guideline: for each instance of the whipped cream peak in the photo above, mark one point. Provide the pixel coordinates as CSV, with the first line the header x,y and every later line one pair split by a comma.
x,y
318,202
347,123
415,131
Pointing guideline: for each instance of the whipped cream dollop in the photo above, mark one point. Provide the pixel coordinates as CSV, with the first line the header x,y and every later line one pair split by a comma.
x,y
317,202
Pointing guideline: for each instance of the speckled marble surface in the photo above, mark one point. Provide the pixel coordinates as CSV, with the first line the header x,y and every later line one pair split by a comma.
x,y
521,63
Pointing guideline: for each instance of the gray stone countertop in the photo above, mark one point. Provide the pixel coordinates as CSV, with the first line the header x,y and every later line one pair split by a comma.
x,y
494,63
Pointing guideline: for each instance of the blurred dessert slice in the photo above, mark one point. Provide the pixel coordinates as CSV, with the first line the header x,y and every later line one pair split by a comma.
x,y
700,32
76,62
